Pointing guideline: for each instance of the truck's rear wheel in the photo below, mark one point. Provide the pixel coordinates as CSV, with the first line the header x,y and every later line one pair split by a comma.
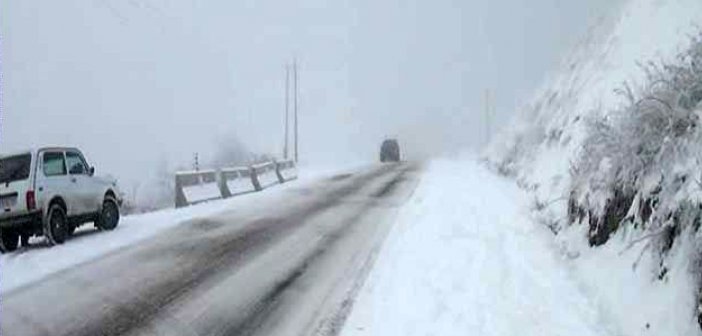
x,y
9,240
56,226
109,215
71,229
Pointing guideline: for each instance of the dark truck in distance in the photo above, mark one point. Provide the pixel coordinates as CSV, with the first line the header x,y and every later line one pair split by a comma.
x,y
390,151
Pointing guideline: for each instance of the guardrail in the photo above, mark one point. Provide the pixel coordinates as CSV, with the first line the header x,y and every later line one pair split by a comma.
x,y
192,187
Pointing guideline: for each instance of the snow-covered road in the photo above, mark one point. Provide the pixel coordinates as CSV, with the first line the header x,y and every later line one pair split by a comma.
x,y
464,259
278,263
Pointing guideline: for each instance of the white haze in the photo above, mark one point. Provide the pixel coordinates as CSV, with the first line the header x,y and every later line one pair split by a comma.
x,y
140,84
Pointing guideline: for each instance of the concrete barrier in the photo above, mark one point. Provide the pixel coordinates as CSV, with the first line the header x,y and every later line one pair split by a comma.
x,y
192,187
263,175
236,181
285,171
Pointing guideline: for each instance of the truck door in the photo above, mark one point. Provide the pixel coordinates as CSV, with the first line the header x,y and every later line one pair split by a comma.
x,y
53,180
87,190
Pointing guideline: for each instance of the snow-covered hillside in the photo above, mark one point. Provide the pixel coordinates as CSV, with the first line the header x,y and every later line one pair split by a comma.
x,y
649,291
545,137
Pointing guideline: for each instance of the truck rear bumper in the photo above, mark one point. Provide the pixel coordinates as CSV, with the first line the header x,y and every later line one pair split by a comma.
x,y
32,218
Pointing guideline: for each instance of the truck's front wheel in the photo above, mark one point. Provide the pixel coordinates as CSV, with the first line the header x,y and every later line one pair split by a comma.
x,y
9,240
109,216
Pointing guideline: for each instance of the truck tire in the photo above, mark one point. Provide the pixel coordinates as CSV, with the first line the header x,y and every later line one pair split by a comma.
x,y
109,215
56,225
24,239
71,229
9,240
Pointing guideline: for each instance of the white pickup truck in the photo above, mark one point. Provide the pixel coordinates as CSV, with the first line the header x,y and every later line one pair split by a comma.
x,y
51,191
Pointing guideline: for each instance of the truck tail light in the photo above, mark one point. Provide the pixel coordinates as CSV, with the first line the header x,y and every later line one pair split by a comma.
x,y
31,200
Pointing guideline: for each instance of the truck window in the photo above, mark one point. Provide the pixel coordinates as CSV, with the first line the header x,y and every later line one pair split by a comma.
x,y
54,164
15,168
76,164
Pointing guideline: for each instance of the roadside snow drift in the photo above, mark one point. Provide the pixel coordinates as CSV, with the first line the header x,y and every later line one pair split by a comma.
x,y
464,259
39,260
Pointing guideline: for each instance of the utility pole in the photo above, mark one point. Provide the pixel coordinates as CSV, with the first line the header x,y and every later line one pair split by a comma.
x,y
295,108
487,116
287,100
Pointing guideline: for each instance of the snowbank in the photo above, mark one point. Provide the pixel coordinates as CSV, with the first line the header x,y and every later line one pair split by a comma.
x,y
623,282
464,259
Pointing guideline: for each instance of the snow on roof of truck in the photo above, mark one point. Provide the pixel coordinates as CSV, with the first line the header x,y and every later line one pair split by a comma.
x,y
34,150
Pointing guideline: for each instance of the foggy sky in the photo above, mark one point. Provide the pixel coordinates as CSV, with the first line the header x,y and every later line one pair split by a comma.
x,y
142,82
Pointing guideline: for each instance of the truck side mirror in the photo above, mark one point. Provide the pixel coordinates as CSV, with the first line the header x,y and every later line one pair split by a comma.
x,y
92,171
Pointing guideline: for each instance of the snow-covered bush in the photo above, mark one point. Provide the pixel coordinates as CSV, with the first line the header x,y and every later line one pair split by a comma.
x,y
642,161
585,157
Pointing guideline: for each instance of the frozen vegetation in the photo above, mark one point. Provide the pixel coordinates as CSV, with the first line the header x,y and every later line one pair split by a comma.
x,y
610,150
